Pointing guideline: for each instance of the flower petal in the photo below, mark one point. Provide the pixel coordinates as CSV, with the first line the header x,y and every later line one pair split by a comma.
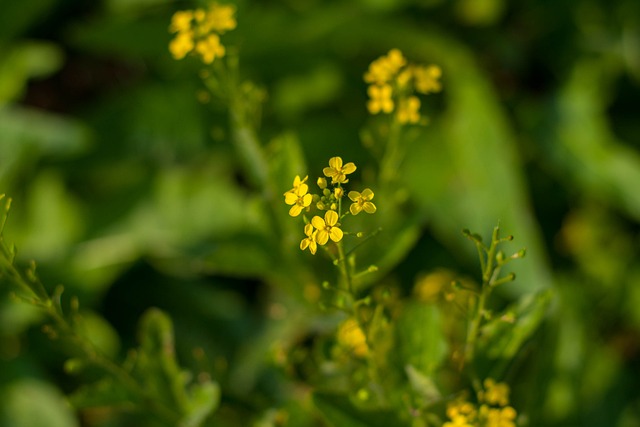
x,y
295,210
306,200
367,194
290,198
304,244
313,247
322,237
336,163
350,167
335,234
331,218
318,223
355,208
330,172
369,207
354,195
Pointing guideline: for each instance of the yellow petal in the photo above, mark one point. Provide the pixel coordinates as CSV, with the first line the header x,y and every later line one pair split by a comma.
x,y
295,210
355,208
369,207
367,194
335,234
313,247
354,195
304,244
330,172
306,200
335,163
308,229
331,218
290,198
349,168
318,223
322,237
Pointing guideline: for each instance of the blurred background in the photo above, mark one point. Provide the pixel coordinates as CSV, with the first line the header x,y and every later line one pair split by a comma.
x,y
123,178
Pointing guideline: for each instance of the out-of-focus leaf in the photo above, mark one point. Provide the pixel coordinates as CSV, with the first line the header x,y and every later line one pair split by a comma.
x,y
480,12
286,160
505,334
53,219
338,411
422,385
585,149
106,392
133,6
421,340
16,17
99,332
24,61
203,400
27,132
33,403
293,95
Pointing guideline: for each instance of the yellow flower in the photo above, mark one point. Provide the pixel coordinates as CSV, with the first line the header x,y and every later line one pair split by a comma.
x,y
351,336
380,99
310,240
220,18
495,393
408,111
461,413
383,69
299,198
362,201
210,48
426,79
298,184
495,417
327,228
181,45
458,421
181,21
337,172
338,192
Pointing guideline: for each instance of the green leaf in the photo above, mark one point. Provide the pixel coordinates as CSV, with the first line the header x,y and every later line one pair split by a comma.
x,y
24,61
338,411
106,392
423,385
421,339
203,400
503,336
34,403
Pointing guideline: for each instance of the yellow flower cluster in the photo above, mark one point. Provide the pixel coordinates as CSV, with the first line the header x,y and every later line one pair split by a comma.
x,y
351,337
199,31
393,82
492,410
324,227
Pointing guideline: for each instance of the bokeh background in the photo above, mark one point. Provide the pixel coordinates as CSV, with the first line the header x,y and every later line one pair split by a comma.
x,y
123,178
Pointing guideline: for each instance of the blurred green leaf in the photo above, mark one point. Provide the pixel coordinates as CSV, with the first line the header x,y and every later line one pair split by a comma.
x,y
17,17
504,335
421,340
423,385
106,392
34,403
203,400
24,61
338,411
99,332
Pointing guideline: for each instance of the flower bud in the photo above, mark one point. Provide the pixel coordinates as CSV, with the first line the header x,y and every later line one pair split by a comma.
x,y
322,183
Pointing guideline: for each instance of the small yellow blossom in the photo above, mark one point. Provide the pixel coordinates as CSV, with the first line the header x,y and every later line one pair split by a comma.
x,y
300,199
494,393
210,48
220,18
351,336
327,228
362,201
310,240
383,69
338,192
181,45
380,99
496,417
299,184
409,110
426,79
181,21
337,172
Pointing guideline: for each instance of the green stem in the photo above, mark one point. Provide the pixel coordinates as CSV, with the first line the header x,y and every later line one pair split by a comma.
x,y
392,155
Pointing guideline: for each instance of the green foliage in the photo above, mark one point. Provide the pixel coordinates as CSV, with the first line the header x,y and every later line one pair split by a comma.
x,y
152,189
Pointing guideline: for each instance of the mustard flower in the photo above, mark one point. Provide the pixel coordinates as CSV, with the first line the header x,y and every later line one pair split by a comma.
x,y
383,69
362,201
498,417
408,110
299,184
327,228
380,99
494,393
310,240
181,21
220,18
351,336
337,172
426,79
181,45
210,48
338,192
299,199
